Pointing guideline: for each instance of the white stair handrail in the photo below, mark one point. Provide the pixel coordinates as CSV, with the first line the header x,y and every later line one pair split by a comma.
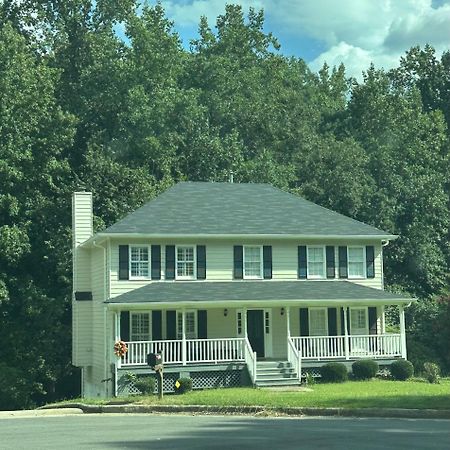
x,y
250,359
294,357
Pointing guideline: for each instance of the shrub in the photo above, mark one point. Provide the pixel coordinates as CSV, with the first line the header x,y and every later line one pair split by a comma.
x,y
334,373
431,372
364,369
184,385
401,370
146,385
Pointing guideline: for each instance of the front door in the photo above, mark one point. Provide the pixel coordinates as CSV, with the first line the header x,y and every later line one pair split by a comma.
x,y
255,330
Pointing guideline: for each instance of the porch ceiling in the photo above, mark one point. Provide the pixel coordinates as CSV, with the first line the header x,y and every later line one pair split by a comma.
x,y
198,292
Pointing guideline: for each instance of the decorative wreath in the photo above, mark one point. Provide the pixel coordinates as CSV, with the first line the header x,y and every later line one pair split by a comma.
x,y
120,348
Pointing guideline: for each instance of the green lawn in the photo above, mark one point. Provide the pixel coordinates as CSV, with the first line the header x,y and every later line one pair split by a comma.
x,y
352,394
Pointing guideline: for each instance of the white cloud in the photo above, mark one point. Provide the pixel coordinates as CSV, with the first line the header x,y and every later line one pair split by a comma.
x,y
359,32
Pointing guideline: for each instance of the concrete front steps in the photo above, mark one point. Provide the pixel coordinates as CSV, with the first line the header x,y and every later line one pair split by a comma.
x,y
275,373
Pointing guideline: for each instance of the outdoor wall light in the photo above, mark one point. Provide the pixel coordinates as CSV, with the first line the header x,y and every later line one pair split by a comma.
x,y
225,312
282,311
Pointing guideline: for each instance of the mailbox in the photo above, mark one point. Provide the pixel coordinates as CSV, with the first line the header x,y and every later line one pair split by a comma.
x,y
154,359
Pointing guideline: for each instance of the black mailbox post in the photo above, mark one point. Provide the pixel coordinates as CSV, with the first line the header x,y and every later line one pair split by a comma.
x,y
155,361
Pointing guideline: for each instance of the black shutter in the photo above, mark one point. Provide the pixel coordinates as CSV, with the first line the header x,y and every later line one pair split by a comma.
x,y
304,322
170,262
156,325
171,324
372,320
238,262
343,270
123,262
125,326
202,324
332,322
201,262
302,264
156,262
330,261
267,261
370,261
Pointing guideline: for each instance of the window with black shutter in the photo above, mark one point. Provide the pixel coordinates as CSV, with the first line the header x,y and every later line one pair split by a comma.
x,y
267,261
238,265
302,262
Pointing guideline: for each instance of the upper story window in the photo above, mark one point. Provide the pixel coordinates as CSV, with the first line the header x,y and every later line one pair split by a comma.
x,y
185,262
356,262
140,326
139,262
253,262
316,262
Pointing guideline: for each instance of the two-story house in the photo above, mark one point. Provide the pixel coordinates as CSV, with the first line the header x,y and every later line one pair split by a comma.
x,y
233,284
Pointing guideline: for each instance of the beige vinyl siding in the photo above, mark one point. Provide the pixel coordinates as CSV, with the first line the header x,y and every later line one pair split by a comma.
x,y
219,260
220,326
279,334
82,333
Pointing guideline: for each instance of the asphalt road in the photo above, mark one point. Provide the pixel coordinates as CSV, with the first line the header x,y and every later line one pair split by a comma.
x,y
111,431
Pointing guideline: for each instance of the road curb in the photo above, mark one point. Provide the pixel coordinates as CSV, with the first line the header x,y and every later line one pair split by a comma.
x,y
258,410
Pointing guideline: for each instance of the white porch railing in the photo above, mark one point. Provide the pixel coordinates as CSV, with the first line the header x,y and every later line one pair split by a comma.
x,y
333,347
250,360
294,357
197,351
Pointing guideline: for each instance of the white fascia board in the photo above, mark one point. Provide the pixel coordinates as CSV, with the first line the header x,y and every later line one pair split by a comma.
x,y
381,237
254,303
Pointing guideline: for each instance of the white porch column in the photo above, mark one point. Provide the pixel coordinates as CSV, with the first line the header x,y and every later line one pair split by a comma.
x,y
346,343
244,318
117,337
183,337
401,311
288,321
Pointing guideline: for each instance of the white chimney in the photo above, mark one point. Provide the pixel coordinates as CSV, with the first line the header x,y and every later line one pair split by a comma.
x,y
82,228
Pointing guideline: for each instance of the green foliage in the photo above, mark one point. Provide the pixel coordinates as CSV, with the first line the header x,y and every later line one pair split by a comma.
x,y
401,370
128,119
365,369
185,385
431,372
146,385
334,373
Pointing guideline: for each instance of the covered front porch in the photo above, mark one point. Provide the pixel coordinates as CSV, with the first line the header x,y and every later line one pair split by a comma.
x,y
206,324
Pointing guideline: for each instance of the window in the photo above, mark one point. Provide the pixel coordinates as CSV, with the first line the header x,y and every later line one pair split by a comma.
x,y
239,322
190,324
318,322
267,322
253,262
316,262
356,262
186,263
140,326
139,262
358,321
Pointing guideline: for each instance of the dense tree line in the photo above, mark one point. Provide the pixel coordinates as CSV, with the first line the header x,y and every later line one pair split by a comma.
x,y
129,117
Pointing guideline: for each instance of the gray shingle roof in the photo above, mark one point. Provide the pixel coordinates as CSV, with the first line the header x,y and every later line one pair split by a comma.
x,y
193,291
194,208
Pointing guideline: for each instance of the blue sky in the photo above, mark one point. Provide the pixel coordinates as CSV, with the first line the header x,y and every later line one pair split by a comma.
x,y
355,32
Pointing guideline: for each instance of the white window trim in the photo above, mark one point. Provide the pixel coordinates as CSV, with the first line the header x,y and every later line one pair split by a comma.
x,y
261,263
194,276
366,312
136,313
179,316
134,277
324,268
316,308
364,262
